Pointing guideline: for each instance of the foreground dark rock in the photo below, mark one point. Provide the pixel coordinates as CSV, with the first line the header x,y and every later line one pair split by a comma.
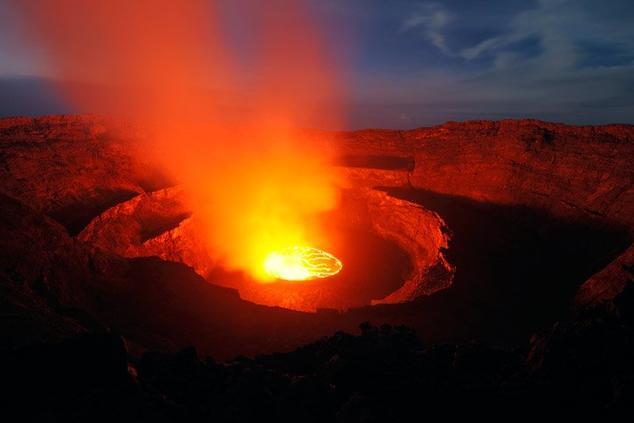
x,y
580,368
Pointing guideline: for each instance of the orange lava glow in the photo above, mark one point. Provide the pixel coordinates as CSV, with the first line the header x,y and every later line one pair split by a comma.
x,y
301,263
226,127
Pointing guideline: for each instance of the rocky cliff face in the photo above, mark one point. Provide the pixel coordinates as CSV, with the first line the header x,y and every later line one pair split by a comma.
x,y
571,171
72,168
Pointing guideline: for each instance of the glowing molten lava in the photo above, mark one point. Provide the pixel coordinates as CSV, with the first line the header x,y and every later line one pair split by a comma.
x,y
301,263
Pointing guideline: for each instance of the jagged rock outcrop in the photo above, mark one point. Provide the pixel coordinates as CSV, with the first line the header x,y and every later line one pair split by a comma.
x,y
609,282
126,226
152,224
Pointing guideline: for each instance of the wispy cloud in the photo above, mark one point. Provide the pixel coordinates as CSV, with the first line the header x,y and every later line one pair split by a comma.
x,y
432,18
554,24
567,32
569,60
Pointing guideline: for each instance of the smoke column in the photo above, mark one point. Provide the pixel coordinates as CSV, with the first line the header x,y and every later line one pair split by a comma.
x,y
224,112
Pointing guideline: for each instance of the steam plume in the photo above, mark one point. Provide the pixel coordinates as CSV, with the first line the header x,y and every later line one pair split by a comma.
x,y
225,122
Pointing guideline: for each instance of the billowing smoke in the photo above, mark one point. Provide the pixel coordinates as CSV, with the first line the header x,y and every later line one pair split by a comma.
x,y
225,86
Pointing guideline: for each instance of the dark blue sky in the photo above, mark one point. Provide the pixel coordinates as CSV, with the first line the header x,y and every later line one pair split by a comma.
x,y
411,63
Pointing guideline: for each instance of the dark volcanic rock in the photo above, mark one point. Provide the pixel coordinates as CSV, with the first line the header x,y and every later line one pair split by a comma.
x,y
85,378
167,306
47,276
384,374
609,282
585,364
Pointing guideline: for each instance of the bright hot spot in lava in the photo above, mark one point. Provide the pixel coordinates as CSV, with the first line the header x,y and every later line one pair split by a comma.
x,y
301,263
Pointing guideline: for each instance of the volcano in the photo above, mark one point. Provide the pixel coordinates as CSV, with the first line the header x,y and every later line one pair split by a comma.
x,y
506,246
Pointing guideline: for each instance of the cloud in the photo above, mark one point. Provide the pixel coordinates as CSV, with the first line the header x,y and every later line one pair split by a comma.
x,y
433,19
560,60
565,30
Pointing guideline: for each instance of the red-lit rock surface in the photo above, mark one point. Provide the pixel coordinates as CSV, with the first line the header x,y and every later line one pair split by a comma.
x,y
151,224
567,170
72,167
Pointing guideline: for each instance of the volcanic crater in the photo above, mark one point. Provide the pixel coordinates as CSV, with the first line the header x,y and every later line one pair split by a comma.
x,y
392,249
477,229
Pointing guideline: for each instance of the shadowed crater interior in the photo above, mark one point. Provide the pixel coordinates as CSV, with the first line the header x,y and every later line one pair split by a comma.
x,y
76,216
517,268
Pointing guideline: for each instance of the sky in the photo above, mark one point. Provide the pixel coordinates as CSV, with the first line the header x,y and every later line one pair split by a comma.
x,y
411,63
